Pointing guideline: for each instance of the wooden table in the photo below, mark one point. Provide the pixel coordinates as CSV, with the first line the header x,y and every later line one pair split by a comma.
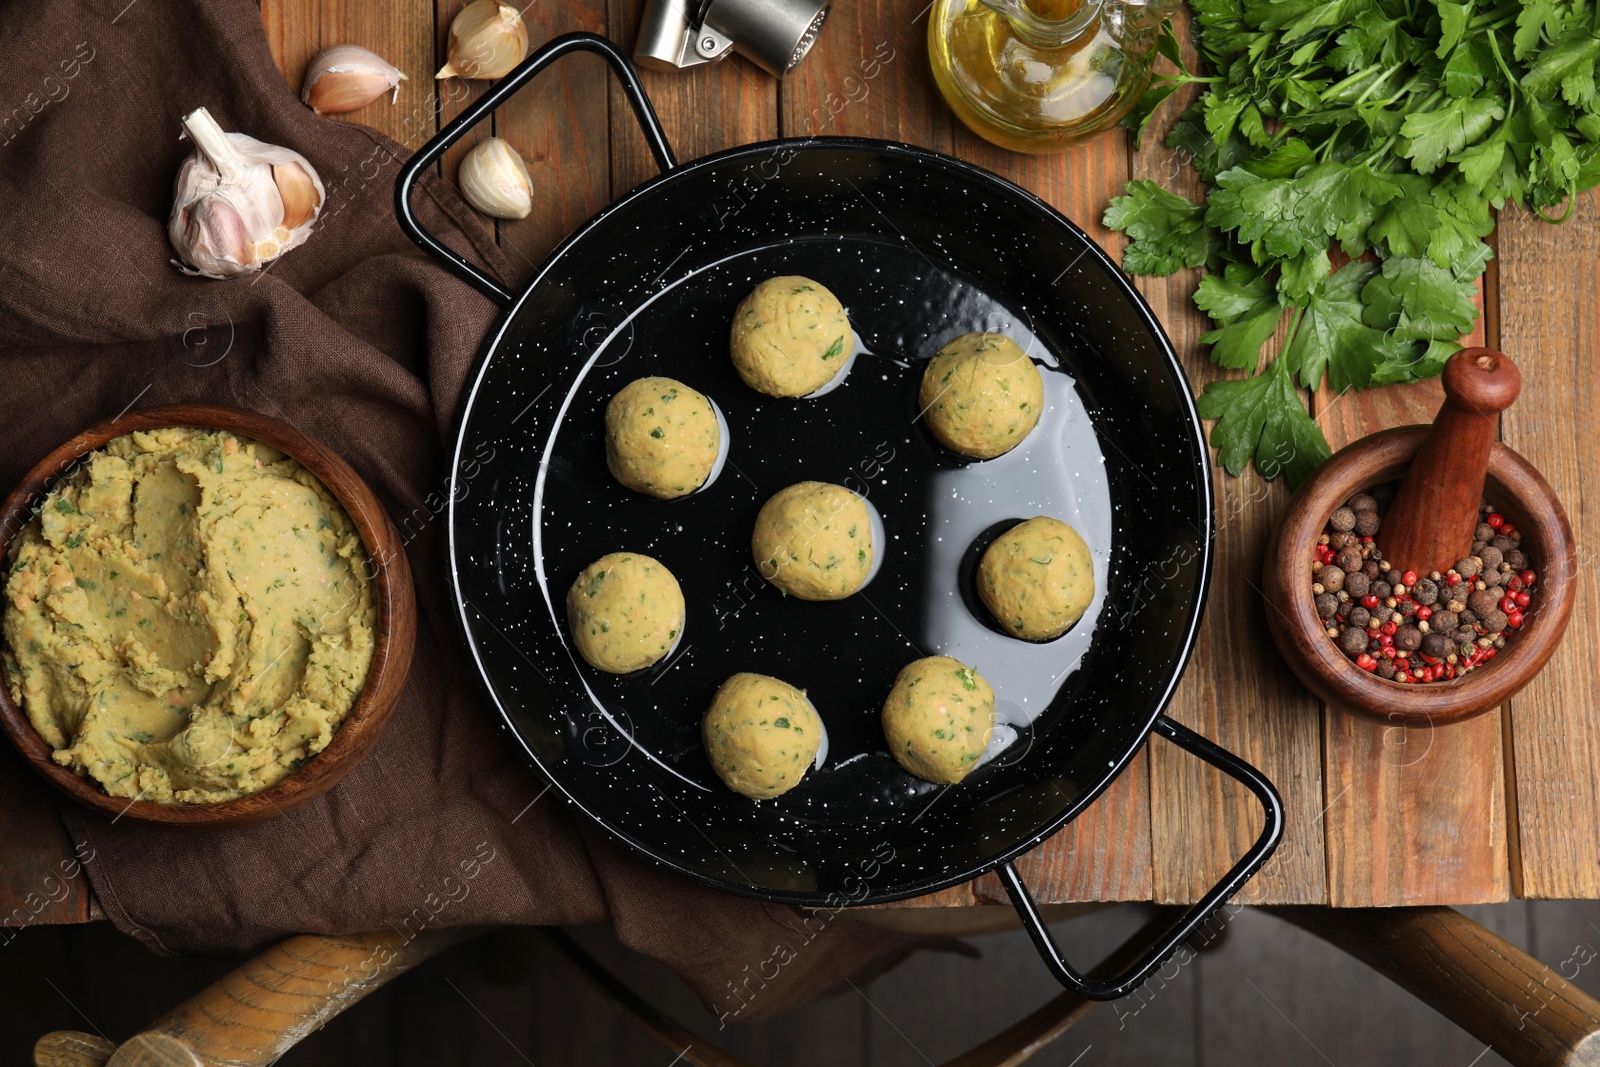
x,y
1504,804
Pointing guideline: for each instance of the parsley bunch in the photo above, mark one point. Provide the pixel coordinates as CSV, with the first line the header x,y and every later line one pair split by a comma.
x,y
1389,128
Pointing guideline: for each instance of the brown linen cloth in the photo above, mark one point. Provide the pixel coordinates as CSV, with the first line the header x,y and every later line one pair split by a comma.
x,y
362,342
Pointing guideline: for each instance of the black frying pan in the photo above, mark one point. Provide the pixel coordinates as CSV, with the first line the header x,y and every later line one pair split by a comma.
x,y
920,247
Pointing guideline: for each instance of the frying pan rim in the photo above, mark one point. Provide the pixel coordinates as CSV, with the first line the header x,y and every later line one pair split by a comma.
x,y
917,156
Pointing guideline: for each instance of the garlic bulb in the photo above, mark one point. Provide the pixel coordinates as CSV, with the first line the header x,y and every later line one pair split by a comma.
x,y
238,203
486,40
347,76
494,180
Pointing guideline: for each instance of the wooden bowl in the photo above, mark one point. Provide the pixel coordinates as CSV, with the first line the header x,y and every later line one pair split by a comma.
x,y
394,636
1520,494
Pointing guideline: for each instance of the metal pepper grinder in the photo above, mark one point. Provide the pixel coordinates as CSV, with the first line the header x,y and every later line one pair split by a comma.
x,y
773,34
1429,526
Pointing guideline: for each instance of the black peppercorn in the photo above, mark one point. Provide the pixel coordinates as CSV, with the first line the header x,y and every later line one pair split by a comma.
x,y
1446,622
1408,638
1343,519
1481,602
1356,583
1327,605
1385,668
1379,589
1484,532
1517,558
1371,569
1504,543
1493,578
1353,642
1359,617
1426,591
1344,609
1469,619
1394,577
1331,578
1408,608
1436,645
1494,621
1491,557
1467,567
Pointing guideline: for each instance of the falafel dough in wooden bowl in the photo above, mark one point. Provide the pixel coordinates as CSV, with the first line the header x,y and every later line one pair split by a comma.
x,y
209,618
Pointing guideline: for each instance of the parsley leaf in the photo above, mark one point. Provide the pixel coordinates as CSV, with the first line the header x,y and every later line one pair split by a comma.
x,y
1434,135
1262,418
1393,127
1345,198
1244,304
1332,337
1267,210
1169,232
1417,300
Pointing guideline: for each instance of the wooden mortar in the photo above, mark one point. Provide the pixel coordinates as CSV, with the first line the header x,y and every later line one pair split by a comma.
x,y
1448,469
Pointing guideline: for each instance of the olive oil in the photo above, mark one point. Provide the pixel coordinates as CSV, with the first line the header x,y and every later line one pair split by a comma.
x,y
1041,75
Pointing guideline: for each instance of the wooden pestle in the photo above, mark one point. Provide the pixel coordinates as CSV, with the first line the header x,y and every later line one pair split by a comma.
x,y
1429,526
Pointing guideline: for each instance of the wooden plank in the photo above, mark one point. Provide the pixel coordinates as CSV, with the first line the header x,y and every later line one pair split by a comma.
x,y
1237,690
704,109
454,95
867,76
1238,693
400,31
1413,816
1549,311
1104,854
560,125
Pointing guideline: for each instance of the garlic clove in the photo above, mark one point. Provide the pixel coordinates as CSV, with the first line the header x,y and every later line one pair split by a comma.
x,y
300,197
494,180
487,39
239,203
217,243
347,76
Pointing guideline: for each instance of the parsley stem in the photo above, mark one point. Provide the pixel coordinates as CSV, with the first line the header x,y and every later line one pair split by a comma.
x,y
1345,82
1183,78
1326,151
1572,198
1511,78
1499,18
1288,339
1409,86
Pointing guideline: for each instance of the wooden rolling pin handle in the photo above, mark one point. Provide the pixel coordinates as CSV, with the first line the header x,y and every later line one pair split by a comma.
x,y
1429,527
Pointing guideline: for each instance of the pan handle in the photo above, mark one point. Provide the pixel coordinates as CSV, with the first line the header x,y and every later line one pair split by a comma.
x,y
1232,882
503,89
